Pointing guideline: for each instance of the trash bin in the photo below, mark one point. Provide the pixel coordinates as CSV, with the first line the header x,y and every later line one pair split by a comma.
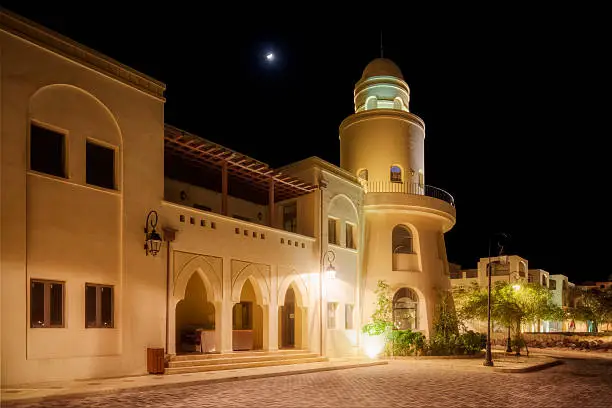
x,y
155,360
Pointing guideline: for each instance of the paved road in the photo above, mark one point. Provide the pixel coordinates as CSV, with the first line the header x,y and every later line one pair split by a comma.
x,y
424,383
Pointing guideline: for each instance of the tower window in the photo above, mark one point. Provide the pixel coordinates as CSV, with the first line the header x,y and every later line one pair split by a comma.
x,y
371,103
47,151
402,240
398,104
396,174
405,309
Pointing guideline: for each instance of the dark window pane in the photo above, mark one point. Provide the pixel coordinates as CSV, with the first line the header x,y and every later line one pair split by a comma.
x,y
349,236
402,240
100,166
290,217
37,304
331,231
90,306
107,306
56,305
47,151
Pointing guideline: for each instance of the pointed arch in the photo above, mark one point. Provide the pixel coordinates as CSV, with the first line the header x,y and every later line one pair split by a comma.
x,y
207,273
258,280
300,289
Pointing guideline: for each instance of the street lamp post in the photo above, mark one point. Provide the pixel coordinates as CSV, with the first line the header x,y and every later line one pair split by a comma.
x,y
488,357
508,345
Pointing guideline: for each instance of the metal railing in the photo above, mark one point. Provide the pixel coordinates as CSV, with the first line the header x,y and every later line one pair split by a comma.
x,y
408,188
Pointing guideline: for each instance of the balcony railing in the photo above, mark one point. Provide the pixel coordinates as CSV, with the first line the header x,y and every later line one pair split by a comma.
x,y
408,188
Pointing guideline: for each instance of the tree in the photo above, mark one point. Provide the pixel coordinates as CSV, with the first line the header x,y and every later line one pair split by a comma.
x,y
512,305
396,342
445,326
596,306
382,318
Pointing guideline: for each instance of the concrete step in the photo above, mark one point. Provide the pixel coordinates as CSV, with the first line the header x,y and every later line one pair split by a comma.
x,y
224,359
252,364
199,356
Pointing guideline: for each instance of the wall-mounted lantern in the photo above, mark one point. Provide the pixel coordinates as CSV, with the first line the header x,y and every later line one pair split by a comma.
x,y
330,270
153,240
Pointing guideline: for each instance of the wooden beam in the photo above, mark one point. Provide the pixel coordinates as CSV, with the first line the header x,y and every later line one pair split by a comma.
x,y
224,189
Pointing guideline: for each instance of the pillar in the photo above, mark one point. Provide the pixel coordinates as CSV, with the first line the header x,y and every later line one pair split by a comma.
x,y
271,203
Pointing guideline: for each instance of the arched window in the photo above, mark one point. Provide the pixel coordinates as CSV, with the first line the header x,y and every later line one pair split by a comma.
x,y
402,240
405,308
371,103
396,174
363,174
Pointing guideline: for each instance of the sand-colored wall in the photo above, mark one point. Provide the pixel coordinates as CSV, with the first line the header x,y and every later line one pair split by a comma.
x,y
63,229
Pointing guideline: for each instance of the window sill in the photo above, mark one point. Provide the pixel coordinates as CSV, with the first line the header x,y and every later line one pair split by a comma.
x,y
103,189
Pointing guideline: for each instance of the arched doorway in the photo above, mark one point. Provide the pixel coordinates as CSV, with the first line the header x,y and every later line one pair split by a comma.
x,y
247,321
194,314
405,309
288,320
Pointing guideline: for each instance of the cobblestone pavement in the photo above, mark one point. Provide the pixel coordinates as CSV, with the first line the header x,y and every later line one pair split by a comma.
x,y
426,383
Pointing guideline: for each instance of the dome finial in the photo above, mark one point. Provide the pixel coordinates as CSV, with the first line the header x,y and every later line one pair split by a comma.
x,y
381,45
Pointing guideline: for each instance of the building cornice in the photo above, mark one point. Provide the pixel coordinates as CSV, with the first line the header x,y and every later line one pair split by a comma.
x,y
317,162
376,114
67,48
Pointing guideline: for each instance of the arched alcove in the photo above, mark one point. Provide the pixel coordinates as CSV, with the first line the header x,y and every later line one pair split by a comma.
x,y
406,309
193,314
248,323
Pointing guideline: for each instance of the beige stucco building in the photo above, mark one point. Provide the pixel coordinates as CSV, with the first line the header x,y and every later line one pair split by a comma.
x,y
89,168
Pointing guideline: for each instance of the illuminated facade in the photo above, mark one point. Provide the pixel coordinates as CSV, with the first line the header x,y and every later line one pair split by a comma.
x,y
243,264
405,219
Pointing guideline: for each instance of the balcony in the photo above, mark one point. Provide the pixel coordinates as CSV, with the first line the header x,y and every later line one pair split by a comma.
x,y
408,188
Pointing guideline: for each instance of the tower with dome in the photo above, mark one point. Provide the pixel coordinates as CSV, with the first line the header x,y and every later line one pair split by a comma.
x,y
405,219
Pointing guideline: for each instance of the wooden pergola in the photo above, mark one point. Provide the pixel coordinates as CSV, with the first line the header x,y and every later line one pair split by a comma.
x,y
199,153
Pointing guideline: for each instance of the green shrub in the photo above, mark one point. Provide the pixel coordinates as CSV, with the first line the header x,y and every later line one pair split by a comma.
x,y
404,342
377,327
470,343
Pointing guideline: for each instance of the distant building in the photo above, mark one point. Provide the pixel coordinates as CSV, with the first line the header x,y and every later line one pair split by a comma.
x,y
514,268
509,268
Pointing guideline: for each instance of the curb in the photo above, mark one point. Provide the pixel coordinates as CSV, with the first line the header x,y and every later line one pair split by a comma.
x,y
536,367
187,383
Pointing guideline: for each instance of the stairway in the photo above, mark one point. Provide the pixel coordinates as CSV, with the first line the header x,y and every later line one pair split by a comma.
x,y
193,363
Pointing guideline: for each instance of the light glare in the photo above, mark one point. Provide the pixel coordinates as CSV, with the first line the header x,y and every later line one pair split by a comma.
x,y
270,56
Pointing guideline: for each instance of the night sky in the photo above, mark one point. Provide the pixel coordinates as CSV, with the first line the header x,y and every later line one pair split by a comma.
x,y
514,103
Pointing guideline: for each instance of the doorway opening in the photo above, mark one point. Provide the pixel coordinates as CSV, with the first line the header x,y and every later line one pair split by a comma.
x,y
195,318
288,318
247,321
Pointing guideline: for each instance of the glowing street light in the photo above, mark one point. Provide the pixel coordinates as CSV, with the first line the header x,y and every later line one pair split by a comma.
x,y
270,57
